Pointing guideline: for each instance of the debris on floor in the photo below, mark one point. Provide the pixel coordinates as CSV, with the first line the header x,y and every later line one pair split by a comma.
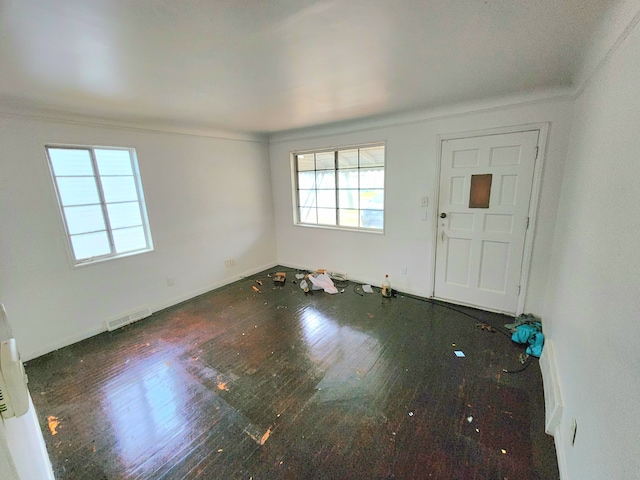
x,y
523,319
367,289
459,353
265,437
280,278
255,289
530,334
256,436
259,282
53,424
323,282
223,386
486,327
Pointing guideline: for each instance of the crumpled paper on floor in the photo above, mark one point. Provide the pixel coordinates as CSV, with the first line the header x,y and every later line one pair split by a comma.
x,y
324,282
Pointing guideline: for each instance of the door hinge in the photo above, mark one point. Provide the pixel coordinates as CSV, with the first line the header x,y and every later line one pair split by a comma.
x,y
528,218
519,289
537,150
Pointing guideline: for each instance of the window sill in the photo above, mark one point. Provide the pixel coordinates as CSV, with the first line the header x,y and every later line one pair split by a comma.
x,y
113,257
345,229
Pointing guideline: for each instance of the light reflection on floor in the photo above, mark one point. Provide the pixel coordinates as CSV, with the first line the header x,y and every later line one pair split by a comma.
x,y
146,406
342,349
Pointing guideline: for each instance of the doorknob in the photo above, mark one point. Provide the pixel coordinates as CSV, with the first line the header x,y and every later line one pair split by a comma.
x,y
443,215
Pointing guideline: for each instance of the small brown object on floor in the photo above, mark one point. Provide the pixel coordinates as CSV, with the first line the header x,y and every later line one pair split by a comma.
x,y
486,327
280,278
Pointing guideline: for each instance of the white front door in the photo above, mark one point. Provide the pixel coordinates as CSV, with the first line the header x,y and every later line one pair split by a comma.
x,y
483,208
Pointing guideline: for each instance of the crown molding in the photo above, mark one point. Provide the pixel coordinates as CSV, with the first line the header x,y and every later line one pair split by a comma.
x,y
494,104
147,127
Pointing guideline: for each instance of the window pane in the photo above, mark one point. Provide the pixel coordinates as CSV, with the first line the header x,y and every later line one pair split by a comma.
x,y
348,183
348,178
325,161
349,199
480,191
129,239
306,180
90,245
326,179
327,216
348,158
114,162
124,214
307,198
348,217
373,199
78,190
327,198
372,178
372,219
308,215
70,161
119,189
84,219
305,162
372,157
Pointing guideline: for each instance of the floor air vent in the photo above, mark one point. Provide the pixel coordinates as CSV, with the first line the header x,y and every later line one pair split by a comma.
x,y
126,320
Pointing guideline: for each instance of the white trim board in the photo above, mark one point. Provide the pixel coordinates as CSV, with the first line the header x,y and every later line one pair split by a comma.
x,y
102,327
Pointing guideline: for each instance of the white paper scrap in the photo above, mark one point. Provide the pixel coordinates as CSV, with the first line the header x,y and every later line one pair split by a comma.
x,y
459,353
367,289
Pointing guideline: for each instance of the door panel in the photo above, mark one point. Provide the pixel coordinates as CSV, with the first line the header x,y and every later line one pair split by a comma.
x,y
485,189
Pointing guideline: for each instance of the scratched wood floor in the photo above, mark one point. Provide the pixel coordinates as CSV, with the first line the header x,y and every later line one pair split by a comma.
x,y
236,384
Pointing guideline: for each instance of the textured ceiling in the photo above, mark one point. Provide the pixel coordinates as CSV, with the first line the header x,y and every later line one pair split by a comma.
x,y
268,66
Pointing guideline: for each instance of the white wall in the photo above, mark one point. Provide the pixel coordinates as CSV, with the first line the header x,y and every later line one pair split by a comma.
x,y
593,304
27,447
411,163
208,199
7,467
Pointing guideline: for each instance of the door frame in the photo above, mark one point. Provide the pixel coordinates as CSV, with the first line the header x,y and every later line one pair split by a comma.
x,y
534,200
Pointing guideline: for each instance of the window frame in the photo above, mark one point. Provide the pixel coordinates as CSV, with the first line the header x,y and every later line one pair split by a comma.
x,y
335,150
140,200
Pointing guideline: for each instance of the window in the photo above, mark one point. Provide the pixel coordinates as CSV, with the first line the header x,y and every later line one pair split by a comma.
x,y
101,200
341,188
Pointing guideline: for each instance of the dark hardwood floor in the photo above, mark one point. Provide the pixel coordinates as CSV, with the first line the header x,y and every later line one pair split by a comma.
x,y
236,384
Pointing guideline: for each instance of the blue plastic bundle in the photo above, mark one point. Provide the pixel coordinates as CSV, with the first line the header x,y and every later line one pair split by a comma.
x,y
530,334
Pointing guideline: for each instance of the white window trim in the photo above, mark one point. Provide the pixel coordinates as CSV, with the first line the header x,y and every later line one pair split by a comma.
x,y
294,182
141,204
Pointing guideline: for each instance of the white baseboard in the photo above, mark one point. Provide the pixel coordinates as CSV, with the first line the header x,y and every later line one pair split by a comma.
x,y
187,296
71,339
553,403
95,330
356,279
560,453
